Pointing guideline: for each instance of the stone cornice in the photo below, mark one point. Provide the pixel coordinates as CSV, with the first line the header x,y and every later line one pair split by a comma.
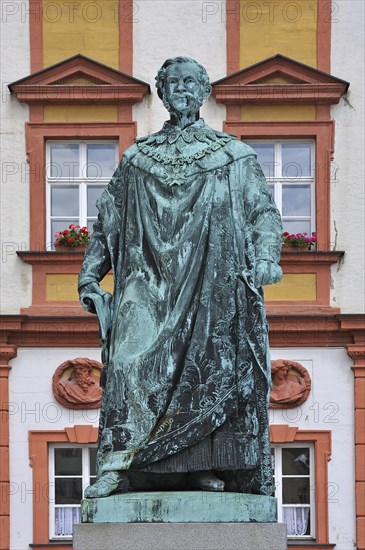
x,y
79,80
233,94
300,83
300,330
7,352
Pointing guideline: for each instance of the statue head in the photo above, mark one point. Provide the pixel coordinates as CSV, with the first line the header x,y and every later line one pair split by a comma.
x,y
280,369
183,85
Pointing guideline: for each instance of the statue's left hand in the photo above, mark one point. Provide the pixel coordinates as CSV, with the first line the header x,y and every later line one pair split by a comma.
x,y
267,273
87,296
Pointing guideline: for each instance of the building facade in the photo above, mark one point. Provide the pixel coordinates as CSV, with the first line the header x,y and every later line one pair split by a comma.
x,y
77,89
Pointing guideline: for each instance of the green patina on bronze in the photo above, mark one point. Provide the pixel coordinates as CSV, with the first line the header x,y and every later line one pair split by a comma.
x,y
179,507
191,233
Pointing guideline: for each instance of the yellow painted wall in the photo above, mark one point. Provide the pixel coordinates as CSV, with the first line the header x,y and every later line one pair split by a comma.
x,y
62,287
80,113
89,28
293,286
268,28
275,80
253,113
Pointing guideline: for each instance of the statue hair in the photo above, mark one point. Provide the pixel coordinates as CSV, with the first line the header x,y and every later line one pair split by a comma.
x,y
203,75
280,364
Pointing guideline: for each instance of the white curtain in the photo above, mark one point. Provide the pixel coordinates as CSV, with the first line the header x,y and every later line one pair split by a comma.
x,y
296,519
64,520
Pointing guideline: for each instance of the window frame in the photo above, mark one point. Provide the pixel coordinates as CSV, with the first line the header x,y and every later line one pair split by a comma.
x,y
85,476
278,180
278,476
88,434
322,132
82,181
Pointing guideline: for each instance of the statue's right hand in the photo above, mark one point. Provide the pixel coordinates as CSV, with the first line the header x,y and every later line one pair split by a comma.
x,y
87,296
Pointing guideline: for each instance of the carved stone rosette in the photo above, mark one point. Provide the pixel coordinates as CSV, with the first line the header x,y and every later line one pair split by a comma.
x,y
75,384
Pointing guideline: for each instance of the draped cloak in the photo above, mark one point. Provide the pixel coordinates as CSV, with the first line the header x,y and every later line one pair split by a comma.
x,y
187,365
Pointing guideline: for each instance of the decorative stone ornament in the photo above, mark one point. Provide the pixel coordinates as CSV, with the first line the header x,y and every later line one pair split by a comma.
x,y
291,384
75,384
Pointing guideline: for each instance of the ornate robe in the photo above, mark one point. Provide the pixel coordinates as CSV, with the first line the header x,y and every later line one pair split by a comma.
x,y
182,223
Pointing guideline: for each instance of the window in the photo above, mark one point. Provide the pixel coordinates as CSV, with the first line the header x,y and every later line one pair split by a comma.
x,y
77,173
289,168
71,469
294,480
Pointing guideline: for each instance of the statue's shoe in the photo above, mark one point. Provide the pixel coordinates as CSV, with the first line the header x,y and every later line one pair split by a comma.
x,y
107,484
205,481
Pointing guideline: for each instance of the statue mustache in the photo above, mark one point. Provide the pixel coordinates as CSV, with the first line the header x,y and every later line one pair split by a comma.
x,y
183,95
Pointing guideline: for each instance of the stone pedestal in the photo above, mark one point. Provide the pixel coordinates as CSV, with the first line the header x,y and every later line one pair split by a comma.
x,y
179,536
179,507
188,520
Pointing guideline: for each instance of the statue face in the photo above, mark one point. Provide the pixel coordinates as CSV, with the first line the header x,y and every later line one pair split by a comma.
x,y
281,374
183,90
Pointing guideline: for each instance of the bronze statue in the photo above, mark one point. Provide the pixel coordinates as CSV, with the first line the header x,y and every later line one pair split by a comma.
x,y
191,232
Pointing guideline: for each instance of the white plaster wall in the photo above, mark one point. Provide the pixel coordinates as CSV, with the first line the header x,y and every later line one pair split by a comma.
x,y
330,406
347,197
15,64
33,407
168,28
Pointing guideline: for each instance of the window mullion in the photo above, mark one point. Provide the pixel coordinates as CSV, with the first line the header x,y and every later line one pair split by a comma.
x,y
83,185
85,468
51,492
279,479
278,160
312,492
278,172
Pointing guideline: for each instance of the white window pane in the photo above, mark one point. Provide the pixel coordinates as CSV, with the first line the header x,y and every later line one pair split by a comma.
x,y
297,226
64,520
265,157
90,224
64,200
101,160
272,190
296,160
68,462
93,193
65,162
297,520
68,490
295,461
296,490
296,200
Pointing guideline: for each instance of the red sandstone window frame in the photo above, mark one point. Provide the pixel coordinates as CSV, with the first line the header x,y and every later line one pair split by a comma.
x,y
85,458
322,134
83,182
37,136
322,442
278,477
39,441
278,180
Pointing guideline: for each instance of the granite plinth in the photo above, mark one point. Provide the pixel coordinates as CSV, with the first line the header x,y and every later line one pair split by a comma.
x,y
176,507
180,536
